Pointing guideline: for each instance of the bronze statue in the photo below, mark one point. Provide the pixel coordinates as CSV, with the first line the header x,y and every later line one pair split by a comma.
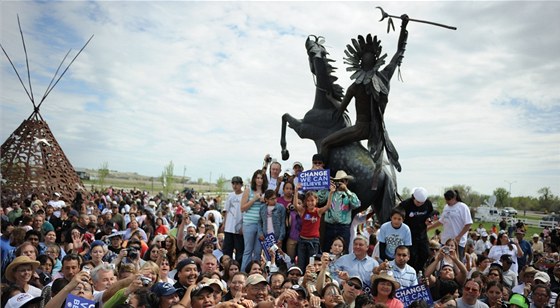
x,y
329,127
320,122
370,91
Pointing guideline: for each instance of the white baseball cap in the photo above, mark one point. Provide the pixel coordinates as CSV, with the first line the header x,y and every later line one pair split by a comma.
x,y
21,299
420,194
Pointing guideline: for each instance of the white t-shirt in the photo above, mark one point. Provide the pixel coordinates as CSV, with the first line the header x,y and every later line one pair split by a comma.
x,y
393,237
57,206
454,218
217,216
234,219
480,246
498,250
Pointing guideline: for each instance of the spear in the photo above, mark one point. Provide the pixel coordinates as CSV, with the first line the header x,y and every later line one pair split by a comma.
x,y
385,15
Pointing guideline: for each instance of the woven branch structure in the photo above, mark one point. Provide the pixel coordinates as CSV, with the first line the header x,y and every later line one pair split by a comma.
x,y
32,161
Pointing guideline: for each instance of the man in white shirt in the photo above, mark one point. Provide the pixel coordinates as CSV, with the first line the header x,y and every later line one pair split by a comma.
x,y
233,222
57,204
482,244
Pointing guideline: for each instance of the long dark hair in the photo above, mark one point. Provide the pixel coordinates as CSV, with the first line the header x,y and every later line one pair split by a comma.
x,y
227,267
254,181
148,253
450,194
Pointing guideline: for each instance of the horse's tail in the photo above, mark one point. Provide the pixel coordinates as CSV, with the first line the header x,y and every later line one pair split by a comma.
x,y
389,192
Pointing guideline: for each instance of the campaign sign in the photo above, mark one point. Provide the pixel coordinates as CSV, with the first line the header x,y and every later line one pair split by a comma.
x,y
414,293
269,241
315,179
73,301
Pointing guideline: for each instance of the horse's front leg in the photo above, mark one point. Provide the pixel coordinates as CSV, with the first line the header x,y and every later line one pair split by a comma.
x,y
295,124
285,153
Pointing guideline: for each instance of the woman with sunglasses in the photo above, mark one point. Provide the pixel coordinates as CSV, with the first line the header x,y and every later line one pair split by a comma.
x,y
153,253
495,274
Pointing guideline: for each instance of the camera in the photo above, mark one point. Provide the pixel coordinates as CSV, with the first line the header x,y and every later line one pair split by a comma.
x,y
145,280
505,304
337,184
268,159
445,250
285,177
132,253
331,257
291,207
86,269
274,248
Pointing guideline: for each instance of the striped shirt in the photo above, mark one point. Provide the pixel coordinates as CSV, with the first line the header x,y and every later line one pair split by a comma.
x,y
406,276
251,216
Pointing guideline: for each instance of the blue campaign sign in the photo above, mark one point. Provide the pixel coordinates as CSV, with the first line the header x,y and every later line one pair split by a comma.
x,y
269,241
414,293
73,301
315,179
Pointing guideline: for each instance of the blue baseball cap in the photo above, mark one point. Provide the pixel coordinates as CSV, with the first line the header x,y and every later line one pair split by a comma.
x,y
163,289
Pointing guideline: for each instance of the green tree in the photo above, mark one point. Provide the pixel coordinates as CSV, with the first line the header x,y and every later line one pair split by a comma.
x,y
167,179
502,197
406,193
221,183
200,181
102,173
472,198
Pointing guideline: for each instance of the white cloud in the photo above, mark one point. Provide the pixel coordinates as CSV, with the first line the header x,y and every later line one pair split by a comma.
x,y
205,83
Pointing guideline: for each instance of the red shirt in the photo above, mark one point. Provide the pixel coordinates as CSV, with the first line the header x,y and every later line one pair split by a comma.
x,y
161,230
310,222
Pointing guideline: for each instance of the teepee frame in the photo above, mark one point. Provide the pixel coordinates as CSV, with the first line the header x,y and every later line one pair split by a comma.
x,y
31,159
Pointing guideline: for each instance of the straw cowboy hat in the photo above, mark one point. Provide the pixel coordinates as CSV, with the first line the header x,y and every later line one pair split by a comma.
x,y
341,175
384,275
21,260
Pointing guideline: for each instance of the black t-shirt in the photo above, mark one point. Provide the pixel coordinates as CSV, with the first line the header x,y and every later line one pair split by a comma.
x,y
181,290
115,250
416,217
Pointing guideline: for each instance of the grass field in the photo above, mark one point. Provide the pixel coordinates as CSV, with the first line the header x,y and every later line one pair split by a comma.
x,y
488,227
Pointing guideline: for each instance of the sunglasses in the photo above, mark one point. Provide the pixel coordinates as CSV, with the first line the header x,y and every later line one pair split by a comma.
x,y
470,289
353,285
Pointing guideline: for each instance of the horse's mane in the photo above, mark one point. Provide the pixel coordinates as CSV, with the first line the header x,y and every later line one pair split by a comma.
x,y
315,49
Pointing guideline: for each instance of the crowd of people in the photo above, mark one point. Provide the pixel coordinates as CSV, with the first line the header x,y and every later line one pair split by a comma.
x,y
268,244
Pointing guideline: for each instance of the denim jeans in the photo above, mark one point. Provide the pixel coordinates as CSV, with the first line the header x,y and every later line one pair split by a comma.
x,y
307,248
252,245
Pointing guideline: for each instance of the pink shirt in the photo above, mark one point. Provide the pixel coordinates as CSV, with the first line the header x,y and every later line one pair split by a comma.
x,y
393,303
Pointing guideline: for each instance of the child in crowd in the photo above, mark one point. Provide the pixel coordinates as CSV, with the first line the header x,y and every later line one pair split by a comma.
x,y
310,223
393,234
272,218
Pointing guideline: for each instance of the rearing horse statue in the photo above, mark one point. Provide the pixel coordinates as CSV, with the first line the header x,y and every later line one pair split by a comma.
x,y
322,120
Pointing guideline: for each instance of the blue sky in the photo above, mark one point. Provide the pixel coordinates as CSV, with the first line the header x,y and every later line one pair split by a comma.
x,y
205,84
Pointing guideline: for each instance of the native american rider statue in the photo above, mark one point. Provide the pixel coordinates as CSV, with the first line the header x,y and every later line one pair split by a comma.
x,y
370,90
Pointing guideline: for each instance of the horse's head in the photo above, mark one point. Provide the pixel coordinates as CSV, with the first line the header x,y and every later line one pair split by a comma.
x,y
320,67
